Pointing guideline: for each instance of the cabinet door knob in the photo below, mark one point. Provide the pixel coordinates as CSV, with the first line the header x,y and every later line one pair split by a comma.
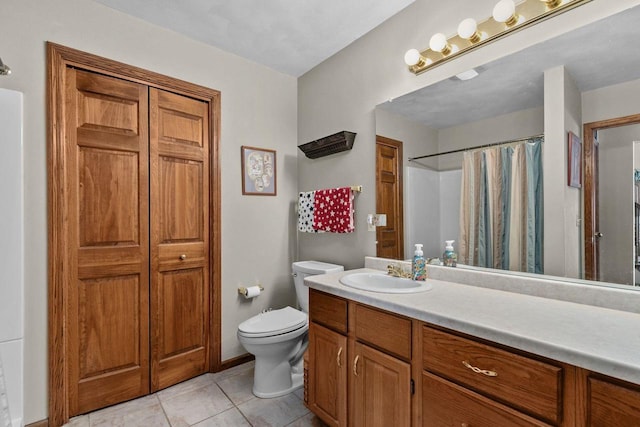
x,y
182,257
355,365
338,358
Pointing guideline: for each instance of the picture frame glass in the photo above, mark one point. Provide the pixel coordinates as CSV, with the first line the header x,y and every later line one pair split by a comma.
x,y
258,171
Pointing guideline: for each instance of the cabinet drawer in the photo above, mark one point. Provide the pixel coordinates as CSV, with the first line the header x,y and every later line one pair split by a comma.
x,y
447,404
328,310
384,330
530,385
612,404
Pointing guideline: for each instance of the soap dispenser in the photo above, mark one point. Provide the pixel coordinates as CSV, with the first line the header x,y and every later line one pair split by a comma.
x,y
449,256
418,267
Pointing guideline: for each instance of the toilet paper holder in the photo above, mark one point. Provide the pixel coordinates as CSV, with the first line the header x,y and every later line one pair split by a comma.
x,y
242,290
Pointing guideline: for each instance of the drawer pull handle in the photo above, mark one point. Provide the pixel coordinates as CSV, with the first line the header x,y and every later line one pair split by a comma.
x,y
338,358
182,257
478,370
355,365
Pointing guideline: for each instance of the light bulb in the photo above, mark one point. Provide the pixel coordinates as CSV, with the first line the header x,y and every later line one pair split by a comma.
x,y
438,43
468,29
505,11
412,57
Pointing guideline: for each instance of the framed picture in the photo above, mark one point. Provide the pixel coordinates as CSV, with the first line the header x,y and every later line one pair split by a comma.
x,y
575,161
258,171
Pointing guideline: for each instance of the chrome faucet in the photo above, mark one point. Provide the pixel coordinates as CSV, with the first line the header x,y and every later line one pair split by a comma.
x,y
396,270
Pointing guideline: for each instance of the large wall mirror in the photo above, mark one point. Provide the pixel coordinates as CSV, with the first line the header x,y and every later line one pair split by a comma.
x,y
532,98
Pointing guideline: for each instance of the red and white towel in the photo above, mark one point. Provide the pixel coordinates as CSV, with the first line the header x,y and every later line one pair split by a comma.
x,y
333,210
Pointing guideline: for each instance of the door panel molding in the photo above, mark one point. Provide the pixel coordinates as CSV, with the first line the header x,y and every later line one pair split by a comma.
x,y
389,197
60,59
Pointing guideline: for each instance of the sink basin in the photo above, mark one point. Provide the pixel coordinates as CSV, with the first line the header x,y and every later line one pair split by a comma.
x,y
380,282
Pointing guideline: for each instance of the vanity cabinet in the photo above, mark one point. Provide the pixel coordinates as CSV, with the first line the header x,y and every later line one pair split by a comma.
x,y
371,367
360,360
611,403
466,382
327,374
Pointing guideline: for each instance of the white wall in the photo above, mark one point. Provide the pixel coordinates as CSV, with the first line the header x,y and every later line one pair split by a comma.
x,y
422,222
11,253
450,190
342,92
417,139
610,102
562,204
617,214
259,108
506,127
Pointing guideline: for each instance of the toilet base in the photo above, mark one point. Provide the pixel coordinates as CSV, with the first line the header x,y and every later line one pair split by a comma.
x,y
297,381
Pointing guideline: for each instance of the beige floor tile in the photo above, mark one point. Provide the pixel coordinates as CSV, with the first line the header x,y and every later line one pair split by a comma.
x,y
190,407
238,387
300,393
229,418
276,412
219,376
187,386
143,412
309,420
79,421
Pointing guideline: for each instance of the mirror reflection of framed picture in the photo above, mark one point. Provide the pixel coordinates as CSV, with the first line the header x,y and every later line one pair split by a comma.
x,y
258,171
575,161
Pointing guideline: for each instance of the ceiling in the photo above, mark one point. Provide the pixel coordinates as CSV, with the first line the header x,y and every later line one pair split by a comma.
x,y
601,54
290,36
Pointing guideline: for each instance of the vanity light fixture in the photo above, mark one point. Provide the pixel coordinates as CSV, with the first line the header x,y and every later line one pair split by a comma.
x,y
438,43
507,16
413,57
505,11
468,30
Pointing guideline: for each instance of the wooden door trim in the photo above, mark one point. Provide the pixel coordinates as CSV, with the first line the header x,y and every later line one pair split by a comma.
x,y
58,59
589,130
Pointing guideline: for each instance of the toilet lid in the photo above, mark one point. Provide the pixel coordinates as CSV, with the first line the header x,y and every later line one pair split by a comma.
x,y
274,322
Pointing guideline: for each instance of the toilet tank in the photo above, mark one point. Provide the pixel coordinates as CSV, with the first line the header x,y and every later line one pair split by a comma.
x,y
302,269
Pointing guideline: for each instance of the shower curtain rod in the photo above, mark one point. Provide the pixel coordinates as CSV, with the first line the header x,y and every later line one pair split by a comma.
x,y
477,148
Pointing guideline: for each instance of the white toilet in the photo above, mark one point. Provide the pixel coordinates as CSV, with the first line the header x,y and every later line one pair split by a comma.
x,y
278,338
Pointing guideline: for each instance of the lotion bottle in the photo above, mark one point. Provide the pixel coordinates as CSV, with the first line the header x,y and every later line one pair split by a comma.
x,y
449,256
418,267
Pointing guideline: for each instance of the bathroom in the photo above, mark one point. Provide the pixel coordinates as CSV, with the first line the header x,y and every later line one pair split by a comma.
x,y
260,107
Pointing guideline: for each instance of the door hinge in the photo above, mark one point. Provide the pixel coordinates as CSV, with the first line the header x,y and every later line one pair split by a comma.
x,y
413,387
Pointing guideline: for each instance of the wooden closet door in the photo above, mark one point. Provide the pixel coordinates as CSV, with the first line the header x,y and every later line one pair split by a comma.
x,y
179,162
106,228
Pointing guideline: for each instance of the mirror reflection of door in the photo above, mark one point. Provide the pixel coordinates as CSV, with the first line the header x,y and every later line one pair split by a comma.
x,y
390,238
611,216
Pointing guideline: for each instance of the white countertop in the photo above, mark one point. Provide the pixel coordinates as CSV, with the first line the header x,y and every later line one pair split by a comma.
x,y
595,338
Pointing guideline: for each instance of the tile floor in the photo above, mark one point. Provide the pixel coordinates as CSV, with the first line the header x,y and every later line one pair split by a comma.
x,y
210,400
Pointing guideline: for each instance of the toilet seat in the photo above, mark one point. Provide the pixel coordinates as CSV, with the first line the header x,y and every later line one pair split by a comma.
x,y
274,322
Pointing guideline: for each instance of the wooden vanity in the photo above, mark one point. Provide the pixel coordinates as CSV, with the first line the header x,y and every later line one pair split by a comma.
x,y
373,367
